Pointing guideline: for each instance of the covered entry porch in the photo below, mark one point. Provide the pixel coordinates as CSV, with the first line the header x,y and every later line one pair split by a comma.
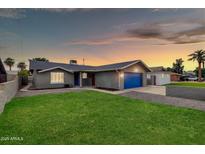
x,y
84,79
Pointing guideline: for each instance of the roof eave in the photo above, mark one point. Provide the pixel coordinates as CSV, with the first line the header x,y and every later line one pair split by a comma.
x,y
53,68
137,61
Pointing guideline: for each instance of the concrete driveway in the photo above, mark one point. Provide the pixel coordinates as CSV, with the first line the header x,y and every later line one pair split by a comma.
x,y
159,90
159,99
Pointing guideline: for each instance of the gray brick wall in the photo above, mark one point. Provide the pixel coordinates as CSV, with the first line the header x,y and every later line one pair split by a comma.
x,y
7,91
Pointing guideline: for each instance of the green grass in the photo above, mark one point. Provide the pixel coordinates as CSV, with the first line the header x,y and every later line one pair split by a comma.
x,y
97,118
188,84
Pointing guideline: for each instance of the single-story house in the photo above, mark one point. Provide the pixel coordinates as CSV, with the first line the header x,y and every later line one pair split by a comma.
x,y
158,76
3,74
124,75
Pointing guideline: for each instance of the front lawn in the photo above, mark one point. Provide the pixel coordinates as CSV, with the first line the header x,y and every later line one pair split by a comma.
x,y
189,84
90,117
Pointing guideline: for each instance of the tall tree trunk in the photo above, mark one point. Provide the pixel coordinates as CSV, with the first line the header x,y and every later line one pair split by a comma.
x,y
10,68
199,73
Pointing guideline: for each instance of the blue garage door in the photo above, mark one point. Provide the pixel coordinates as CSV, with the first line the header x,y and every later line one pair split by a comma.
x,y
132,80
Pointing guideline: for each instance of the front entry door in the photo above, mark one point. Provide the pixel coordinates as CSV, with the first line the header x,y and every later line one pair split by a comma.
x,y
77,79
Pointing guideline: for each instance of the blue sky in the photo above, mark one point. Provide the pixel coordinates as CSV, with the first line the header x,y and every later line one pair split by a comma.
x,y
157,36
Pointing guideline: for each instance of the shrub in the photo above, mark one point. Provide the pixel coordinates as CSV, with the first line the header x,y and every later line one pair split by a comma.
x,y
23,77
23,73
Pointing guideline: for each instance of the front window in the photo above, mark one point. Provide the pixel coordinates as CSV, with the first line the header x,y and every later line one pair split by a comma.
x,y
57,77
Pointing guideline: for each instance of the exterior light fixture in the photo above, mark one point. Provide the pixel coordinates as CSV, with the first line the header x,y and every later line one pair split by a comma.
x,y
136,70
122,75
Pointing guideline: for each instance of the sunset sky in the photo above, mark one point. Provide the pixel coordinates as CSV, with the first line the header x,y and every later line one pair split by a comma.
x,y
102,36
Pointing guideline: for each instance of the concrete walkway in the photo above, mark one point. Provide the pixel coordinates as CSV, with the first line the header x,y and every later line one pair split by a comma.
x,y
154,98
160,90
148,89
23,93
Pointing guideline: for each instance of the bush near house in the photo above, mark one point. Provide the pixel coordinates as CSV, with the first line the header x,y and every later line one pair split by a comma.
x,y
23,77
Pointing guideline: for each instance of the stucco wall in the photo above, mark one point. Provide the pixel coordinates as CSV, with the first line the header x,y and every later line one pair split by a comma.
x,y
11,77
161,78
7,91
107,79
186,92
42,80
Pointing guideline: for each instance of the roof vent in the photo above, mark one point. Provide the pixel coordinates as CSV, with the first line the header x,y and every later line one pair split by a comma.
x,y
73,62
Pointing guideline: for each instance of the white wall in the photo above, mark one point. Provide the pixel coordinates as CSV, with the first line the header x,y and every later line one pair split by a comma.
x,y
162,78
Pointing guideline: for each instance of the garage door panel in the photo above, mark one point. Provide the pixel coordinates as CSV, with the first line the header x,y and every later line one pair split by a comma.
x,y
132,80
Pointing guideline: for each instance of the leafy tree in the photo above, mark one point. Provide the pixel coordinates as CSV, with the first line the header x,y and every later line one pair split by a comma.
x,y
198,56
9,62
169,69
40,59
21,66
178,66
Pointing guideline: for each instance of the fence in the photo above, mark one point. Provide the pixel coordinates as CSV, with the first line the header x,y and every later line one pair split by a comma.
x,y
8,90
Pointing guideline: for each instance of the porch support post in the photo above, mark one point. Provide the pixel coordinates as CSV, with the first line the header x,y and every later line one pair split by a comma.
x,y
120,80
81,85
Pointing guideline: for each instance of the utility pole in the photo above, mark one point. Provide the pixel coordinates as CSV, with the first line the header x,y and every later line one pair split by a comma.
x,y
83,61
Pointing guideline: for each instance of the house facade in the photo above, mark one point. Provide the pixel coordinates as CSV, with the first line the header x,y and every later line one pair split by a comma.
x,y
117,76
158,76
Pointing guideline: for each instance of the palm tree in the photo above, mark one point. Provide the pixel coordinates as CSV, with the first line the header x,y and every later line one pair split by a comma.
x,y
22,66
9,62
198,56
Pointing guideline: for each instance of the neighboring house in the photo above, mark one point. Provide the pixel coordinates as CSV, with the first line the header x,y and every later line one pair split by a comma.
x,y
3,74
158,76
130,74
189,76
175,77
190,73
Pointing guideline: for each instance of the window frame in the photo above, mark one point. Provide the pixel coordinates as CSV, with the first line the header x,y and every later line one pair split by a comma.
x,y
84,75
58,76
